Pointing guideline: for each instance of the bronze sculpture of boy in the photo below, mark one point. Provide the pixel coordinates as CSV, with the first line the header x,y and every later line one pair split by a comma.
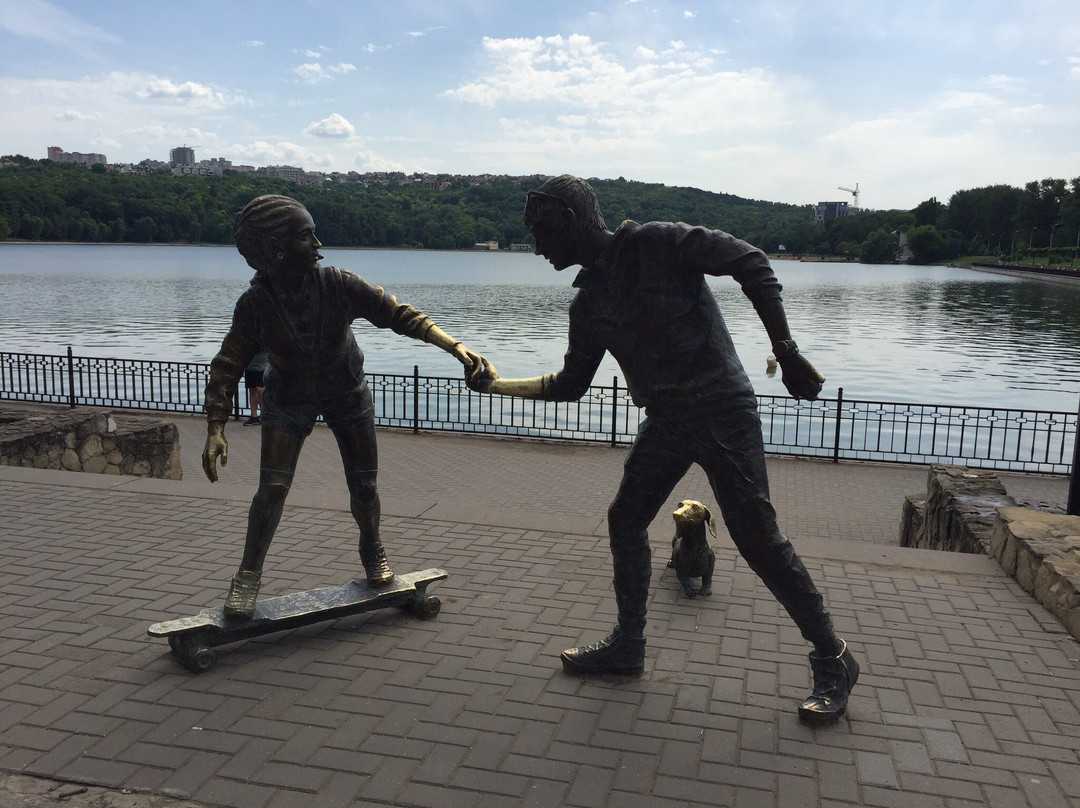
x,y
643,297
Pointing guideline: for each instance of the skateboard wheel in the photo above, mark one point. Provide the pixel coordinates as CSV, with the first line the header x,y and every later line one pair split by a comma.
x,y
200,660
192,654
428,608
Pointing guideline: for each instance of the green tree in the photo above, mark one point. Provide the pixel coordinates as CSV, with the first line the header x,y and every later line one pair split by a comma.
x,y
928,212
879,248
144,229
927,245
848,249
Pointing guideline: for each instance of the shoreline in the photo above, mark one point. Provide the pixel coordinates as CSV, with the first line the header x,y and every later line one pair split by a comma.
x,y
25,243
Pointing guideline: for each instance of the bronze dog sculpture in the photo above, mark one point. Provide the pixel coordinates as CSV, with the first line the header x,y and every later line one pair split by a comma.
x,y
691,555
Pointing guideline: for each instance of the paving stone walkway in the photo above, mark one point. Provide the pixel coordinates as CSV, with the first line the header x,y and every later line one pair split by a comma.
x,y
970,693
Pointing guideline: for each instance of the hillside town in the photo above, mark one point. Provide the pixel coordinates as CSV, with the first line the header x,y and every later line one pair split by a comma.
x,y
182,162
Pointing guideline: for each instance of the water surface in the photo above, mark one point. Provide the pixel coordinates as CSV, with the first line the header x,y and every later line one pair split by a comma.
x,y
895,333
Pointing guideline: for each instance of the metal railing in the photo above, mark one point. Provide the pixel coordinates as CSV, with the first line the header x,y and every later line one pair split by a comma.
x,y
830,428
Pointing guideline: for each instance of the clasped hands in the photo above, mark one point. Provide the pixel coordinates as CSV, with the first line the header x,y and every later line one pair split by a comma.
x,y
479,372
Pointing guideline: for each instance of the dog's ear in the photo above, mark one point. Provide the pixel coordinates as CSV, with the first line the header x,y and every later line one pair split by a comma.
x,y
712,522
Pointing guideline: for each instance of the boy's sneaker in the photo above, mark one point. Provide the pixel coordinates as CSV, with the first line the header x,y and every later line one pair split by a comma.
x,y
616,654
240,602
834,677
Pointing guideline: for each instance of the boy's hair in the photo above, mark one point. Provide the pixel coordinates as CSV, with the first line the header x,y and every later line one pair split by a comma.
x,y
261,218
577,195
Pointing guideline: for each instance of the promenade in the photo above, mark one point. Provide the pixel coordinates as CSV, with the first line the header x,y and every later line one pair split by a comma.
x,y
969,694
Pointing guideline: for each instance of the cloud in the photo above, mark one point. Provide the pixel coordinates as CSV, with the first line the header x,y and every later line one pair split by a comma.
x,y
37,19
370,161
1074,68
133,115
74,115
187,92
253,43
283,152
651,93
314,72
333,126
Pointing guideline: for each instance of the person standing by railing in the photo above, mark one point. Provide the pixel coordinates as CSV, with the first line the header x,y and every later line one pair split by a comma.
x,y
300,313
643,297
254,382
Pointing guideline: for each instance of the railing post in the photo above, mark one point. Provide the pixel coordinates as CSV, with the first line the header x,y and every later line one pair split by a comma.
x,y
71,378
836,436
1073,506
614,408
415,399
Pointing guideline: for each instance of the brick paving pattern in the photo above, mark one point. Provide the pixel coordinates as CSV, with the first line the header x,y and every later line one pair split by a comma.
x,y
970,692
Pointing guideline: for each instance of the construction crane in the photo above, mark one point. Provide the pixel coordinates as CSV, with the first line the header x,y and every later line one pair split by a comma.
x,y
853,191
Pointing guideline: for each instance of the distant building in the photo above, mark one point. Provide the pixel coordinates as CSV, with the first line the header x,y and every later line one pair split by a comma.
x,y
493,246
215,166
827,211
521,246
292,174
58,155
182,156
218,165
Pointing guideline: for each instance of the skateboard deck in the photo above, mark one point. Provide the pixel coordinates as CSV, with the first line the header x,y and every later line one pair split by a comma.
x,y
193,639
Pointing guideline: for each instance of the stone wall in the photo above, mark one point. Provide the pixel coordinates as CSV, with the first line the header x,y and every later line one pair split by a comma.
x,y
89,440
957,512
1042,552
969,511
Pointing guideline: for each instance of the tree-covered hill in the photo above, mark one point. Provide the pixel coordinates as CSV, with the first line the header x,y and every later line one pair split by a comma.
x,y
48,201
43,200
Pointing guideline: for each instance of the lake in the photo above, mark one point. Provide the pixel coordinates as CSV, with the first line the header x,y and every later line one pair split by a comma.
x,y
934,335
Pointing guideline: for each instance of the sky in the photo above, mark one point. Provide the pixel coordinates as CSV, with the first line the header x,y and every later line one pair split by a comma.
x,y
776,100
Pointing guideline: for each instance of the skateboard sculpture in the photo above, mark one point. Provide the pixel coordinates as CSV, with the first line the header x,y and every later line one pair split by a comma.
x,y
300,314
193,639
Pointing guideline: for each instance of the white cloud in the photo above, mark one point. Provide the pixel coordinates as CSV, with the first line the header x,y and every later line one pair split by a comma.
x,y
370,161
674,115
674,91
332,126
1004,83
253,43
283,152
37,19
967,100
187,92
74,115
1074,68
134,115
314,72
